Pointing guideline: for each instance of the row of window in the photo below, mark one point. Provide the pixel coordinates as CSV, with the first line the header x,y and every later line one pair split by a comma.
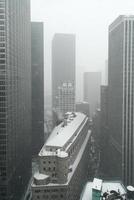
x,y
52,190
54,196
2,16
45,162
49,169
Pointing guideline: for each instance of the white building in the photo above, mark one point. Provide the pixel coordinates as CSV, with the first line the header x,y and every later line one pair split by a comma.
x,y
64,160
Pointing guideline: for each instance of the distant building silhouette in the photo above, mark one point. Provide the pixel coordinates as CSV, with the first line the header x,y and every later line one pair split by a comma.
x,y
37,62
92,83
15,98
121,98
63,63
83,107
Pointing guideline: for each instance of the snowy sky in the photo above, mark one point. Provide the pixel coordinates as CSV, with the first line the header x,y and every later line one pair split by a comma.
x,y
89,20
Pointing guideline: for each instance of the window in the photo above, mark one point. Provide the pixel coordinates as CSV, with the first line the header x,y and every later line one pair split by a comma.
x,y
37,191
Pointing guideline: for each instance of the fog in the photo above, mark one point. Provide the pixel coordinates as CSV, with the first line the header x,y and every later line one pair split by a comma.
x,y
89,20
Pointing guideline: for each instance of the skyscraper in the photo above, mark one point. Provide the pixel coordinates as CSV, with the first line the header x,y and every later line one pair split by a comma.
x,y
92,83
15,98
63,62
121,97
37,55
66,98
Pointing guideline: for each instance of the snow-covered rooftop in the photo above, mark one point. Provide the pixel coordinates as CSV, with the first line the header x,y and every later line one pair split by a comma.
x,y
63,132
39,176
106,186
97,184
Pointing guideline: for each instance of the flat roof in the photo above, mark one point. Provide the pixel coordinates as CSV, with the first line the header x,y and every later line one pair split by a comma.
x,y
120,19
39,176
61,134
73,166
97,184
106,186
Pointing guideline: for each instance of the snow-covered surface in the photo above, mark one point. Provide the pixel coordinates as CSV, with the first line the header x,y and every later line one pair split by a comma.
x,y
62,154
73,166
39,176
130,188
106,186
60,135
97,184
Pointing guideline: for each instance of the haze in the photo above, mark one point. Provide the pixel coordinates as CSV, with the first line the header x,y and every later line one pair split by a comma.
x,y
89,20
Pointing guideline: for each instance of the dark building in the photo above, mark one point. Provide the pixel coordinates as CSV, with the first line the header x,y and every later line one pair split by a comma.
x,y
92,83
121,98
63,63
104,135
96,126
37,63
15,98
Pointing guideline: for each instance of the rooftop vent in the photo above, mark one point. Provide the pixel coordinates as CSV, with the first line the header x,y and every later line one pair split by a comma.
x,y
130,192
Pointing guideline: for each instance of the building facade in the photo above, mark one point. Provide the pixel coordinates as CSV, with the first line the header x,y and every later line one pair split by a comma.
x,y
66,98
37,63
64,160
83,107
92,83
63,62
121,96
104,135
15,98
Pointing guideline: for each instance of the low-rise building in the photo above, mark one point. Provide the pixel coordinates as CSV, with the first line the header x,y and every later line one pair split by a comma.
x,y
64,160
104,190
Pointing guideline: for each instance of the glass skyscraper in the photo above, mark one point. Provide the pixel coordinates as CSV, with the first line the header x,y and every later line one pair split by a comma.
x,y
121,98
15,98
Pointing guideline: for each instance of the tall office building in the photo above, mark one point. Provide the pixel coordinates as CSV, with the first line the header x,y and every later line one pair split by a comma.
x,y
63,62
37,63
92,83
105,74
64,160
66,98
15,98
121,97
